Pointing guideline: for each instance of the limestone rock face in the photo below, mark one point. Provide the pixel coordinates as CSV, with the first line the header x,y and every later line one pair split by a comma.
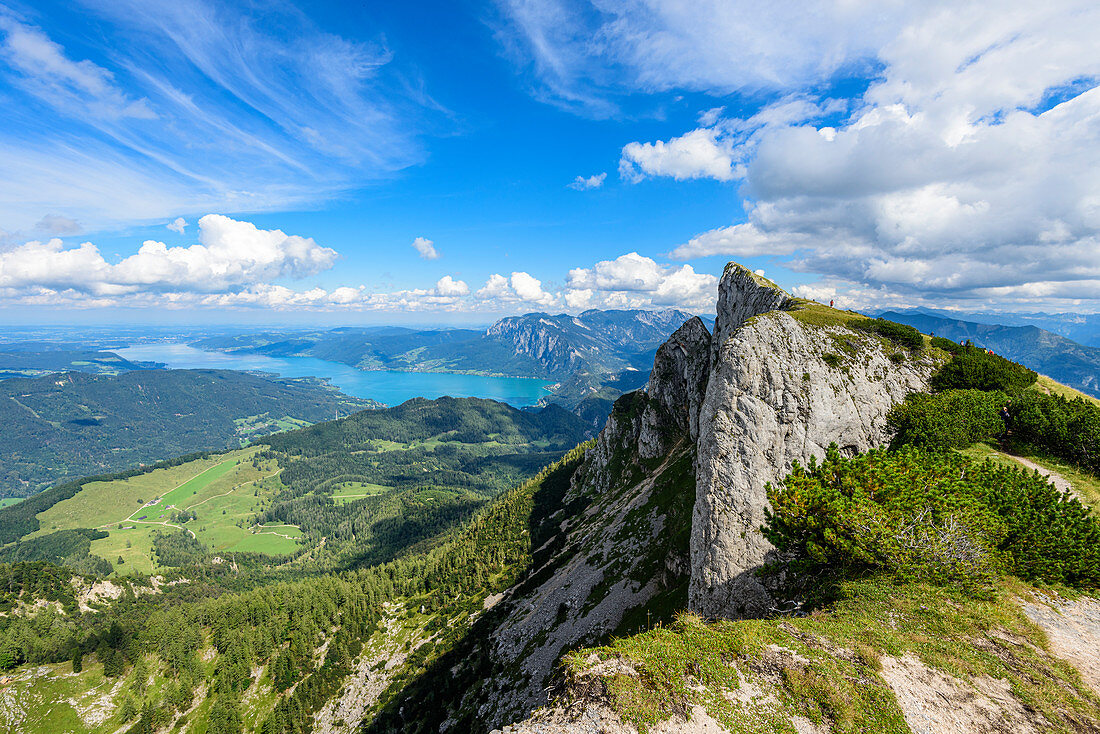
x,y
779,390
743,294
676,386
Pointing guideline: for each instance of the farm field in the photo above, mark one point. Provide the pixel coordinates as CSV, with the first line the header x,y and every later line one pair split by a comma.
x,y
5,502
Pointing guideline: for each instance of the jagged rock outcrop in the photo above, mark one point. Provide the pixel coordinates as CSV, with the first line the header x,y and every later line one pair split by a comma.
x,y
665,510
780,389
678,381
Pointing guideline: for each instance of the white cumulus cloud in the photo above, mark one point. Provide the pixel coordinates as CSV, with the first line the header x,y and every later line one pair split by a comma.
x,y
697,154
521,287
178,225
580,183
425,248
449,287
230,253
967,170
636,281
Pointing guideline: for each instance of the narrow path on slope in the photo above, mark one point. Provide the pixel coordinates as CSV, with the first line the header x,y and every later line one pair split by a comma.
x,y
166,524
231,491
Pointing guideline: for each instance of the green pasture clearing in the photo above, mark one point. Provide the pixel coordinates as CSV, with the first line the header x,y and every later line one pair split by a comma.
x,y
133,543
224,491
269,543
351,491
280,529
265,424
103,503
218,523
178,498
380,444
8,501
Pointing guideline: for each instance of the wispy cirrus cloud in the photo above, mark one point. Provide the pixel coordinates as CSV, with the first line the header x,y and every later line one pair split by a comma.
x,y
196,106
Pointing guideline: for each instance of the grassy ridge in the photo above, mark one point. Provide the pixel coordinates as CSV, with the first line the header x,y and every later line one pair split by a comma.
x,y
827,667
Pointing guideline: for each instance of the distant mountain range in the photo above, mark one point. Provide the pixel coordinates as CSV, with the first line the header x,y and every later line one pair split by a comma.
x,y
37,359
1081,328
595,356
1066,361
532,345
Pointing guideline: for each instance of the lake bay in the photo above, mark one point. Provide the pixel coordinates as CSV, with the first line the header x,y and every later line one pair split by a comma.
x,y
385,386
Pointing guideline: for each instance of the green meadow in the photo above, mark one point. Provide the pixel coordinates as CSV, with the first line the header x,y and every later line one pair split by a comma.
x,y
352,491
224,492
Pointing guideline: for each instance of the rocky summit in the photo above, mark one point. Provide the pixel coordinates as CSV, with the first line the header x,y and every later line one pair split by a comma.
x,y
785,380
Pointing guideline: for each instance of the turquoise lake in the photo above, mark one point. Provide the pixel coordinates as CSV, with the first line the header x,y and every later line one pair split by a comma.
x,y
391,388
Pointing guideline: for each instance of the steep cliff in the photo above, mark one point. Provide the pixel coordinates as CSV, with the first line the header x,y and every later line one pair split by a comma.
x,y
620,551
596,341
786,379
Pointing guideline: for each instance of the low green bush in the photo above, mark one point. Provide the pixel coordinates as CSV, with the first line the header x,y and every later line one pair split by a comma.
x,y
1069,429
929,516
953,419
947,345
975,369
906,336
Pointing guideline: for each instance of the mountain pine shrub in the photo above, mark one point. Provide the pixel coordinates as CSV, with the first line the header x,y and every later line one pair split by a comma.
x,y
953,419
906,336
974,369
1069,429
938,517
947,345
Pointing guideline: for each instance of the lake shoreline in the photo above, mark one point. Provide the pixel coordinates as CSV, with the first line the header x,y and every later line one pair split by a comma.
x,y
390,387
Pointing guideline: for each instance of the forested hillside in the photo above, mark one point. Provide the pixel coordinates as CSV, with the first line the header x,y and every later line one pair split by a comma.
x,y
36,361
374,485
74,424
399,494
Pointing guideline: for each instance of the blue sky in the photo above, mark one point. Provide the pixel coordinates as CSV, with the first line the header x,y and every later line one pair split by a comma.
x,y
281,162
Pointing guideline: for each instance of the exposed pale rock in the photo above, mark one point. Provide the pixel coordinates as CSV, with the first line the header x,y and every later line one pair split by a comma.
x,y
678,381
771,400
